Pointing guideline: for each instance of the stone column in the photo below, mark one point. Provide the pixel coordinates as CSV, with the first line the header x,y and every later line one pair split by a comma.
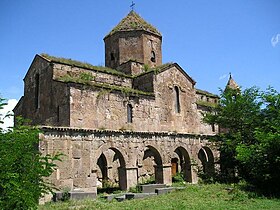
x,y
194,171
127,177
163,174
132,176
122,178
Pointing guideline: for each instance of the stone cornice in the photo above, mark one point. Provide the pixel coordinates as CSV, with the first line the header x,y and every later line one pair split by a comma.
x,y
125,132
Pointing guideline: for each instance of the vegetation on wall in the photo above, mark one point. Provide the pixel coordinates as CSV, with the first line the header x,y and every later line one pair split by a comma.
x,y
23,169
85,65
250,142
124,90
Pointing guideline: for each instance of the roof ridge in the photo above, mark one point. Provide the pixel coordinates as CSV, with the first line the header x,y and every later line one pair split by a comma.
x,y
84,65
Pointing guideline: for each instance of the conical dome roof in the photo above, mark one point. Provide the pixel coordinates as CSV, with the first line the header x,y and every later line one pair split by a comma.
x,y
232,84
133,22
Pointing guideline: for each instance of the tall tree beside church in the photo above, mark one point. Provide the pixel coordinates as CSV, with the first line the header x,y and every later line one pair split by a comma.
x,y
22,168
250,137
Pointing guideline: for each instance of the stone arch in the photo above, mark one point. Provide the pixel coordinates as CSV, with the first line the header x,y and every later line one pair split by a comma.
x,y
151,164
118,168
205,155
183,164
102,174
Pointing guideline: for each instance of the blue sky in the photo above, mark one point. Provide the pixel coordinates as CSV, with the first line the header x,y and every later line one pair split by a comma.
x,y
208,39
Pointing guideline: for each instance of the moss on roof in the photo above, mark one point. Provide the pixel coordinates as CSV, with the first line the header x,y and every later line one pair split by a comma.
x,y
206,104
80,80
132,22
156,70
206,93
84,65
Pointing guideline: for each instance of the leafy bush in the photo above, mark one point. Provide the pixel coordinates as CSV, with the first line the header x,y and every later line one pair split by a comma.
x,y
250,142
179,177
23,169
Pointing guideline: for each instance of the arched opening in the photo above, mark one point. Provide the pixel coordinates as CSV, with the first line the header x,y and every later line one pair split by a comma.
x,y
183,164
177,100
174,166
102,174
153,56
206,157
111,173
129,113
151,170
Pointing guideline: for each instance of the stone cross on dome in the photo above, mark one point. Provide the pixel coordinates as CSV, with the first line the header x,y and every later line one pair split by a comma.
x,y
132,6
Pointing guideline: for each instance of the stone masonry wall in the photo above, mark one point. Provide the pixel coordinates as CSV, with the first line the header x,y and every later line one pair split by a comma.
x,y
82,149
61,71
53,106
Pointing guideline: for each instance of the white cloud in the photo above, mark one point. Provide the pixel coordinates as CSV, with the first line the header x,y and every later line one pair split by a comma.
x,y
275,40
223,76
9,121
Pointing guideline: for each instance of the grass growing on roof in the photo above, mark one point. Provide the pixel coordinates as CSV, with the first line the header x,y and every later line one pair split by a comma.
x,y
85,65
124,90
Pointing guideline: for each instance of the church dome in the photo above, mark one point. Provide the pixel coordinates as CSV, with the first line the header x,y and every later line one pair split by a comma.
x,y
133,22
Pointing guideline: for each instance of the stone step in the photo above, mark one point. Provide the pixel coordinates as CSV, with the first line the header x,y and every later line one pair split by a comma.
x,y
160,191
150,188
164,190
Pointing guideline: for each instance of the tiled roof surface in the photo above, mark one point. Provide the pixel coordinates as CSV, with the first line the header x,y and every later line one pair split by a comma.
x,y
133,22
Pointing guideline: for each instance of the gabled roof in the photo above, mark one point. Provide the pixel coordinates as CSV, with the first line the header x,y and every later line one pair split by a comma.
x,y
206,93
165,67
133,22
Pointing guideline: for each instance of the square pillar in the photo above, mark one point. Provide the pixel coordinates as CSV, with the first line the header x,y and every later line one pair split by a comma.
x,y
127,177
163,174
132,177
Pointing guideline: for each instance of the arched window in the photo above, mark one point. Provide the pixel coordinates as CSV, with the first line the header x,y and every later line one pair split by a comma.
x,y
37,97
129,113
153,57
177,100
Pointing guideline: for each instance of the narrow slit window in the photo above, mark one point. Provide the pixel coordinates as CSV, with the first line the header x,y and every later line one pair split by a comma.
x,y
213,127
129,113
177,100
57,113
153,56
37,96
112,56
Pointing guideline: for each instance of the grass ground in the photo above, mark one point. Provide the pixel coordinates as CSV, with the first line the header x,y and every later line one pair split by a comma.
x,y
193,197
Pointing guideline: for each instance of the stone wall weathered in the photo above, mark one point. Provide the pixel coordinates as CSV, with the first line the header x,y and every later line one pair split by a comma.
x,y
124,156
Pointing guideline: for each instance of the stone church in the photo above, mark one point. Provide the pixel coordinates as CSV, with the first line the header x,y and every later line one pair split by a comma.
x,y
135,119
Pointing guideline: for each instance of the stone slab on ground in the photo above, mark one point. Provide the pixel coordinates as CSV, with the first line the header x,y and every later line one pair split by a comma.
x,y
120,198
58,196
77,195
82,195
150,188
112,196
138,195
165,190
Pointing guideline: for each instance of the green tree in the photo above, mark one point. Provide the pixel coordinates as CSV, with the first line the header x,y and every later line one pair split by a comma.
x,y
23,168
250,137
